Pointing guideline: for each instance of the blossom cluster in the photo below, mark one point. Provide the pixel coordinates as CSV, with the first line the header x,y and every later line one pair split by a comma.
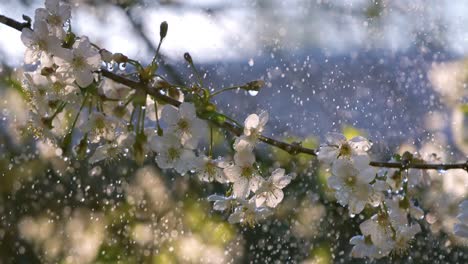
x,y
356,185
253,196
67,92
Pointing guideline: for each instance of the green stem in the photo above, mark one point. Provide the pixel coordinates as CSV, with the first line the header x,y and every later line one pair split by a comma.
x,y
224,90
210,151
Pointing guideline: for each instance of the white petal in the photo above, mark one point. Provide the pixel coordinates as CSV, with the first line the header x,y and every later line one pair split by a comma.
x,y
263,118
360,144
251,122
367,175
28,37
187,110
335,182
327,154
334,138
255,182
52,5
94,61
241,188
232,173
243,143
260,199
244,158
274,198
236,217
84,78
279,179
170,114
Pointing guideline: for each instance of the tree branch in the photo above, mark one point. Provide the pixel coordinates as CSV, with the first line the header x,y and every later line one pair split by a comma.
x,y
13,23
233,128
293,149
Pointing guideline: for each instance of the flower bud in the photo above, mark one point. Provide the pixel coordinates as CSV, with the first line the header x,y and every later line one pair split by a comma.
x,y
210,107
106,55
163,29
188,58
119,58
254,85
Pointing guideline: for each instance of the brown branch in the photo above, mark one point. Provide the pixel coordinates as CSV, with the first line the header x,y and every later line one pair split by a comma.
x,y
14,24
233,128
421,166
292,149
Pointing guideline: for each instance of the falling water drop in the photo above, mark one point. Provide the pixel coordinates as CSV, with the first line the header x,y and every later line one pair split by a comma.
x,y
253,93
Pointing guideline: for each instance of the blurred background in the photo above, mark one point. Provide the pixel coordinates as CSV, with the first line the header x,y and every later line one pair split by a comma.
x,y
393,71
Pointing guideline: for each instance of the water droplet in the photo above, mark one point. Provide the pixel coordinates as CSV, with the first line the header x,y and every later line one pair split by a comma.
x,y
253,93
352,215
122,66
110,66
251,62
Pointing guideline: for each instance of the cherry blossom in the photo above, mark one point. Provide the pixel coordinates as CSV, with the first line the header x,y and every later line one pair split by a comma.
x,y
112,150
243,174
337,146
380,231
248,213
56,14
209,170
184,123
350,179
80,62
222,203
39,44
270,191
364,248
170,154
253,128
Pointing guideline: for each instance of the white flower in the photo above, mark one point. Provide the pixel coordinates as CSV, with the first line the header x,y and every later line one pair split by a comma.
x,y
112,150
398,210
80,62
338,147
171,154
209,170
185,124
461,229
101,126
114,90
55,14
404,235
270,191
364,248
249,213
379,229
40,45
221,203
253,128
243,174
350,179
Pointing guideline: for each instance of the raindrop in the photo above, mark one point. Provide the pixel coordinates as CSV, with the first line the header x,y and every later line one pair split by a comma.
x,y
122,66
110,66
251,62
253,93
